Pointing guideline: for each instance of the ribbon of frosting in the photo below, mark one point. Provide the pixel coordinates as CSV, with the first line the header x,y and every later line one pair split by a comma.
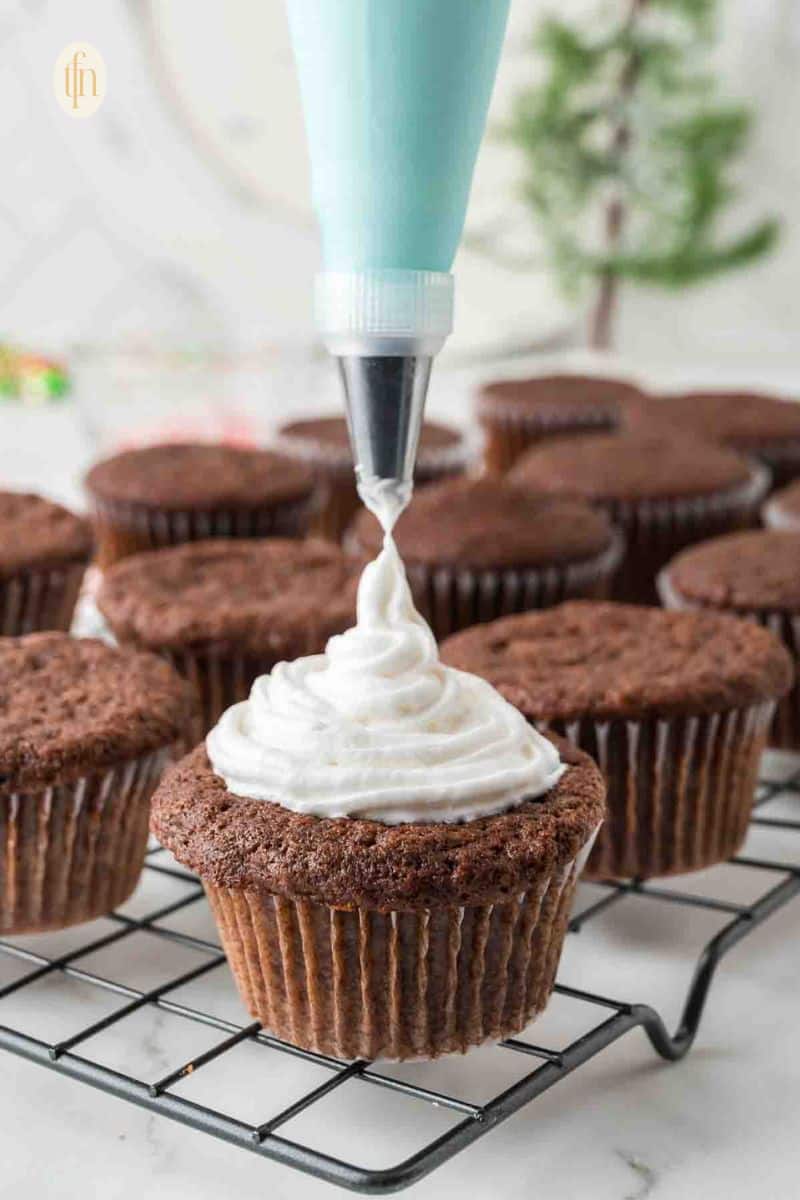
x,y
378,727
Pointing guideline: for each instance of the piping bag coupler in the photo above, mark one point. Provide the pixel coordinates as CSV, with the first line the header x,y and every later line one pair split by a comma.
x,y
384,327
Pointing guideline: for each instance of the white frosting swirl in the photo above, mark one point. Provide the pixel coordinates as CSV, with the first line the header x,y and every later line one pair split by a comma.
x,y
378,727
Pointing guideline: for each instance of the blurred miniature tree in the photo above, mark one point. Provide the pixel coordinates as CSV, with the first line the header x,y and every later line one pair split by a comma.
x,y
629,153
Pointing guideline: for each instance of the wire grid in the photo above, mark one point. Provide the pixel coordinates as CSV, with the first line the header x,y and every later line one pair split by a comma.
x,y
615,1018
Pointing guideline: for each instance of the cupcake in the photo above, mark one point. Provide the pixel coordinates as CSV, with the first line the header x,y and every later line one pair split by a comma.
x,y
756,575
85,731
516,413
389,849
782,510
663,491
764,427
323,444
44,550
169,494
476,549
674,706
223,612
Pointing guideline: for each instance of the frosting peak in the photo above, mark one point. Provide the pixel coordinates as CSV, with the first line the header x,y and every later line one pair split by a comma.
x,y
378,727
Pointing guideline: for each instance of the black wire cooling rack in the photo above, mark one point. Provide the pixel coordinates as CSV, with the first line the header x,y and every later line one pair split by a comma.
x,y
66,1052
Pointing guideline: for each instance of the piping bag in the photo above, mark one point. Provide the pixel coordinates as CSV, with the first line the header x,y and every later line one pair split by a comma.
x,y
395,94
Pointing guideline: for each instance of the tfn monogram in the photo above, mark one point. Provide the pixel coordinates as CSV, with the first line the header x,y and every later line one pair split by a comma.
x,y
78,78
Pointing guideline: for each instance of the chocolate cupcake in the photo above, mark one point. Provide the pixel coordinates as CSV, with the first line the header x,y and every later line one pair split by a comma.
x,y
323,444
85,731
755,575
477,549
44,550
764,427
516,413
663,491
169,494
389,849
674,706
223,612
782,510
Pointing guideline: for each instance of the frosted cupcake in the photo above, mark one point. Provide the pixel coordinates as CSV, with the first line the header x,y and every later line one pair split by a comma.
x,y
390,850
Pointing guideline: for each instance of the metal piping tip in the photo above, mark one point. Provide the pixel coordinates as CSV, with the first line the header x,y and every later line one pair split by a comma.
x,y
385,398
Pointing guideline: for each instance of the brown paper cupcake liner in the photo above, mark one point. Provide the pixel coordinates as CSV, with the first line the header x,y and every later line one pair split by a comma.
x,y
451,599
656,530
125,529
509,433
219,680
680,790
356,983
40,600
784,733
74,852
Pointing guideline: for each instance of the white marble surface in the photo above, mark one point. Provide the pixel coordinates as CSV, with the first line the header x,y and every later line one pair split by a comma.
x,y
721,1124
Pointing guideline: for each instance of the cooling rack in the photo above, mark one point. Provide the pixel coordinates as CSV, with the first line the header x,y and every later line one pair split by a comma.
x,y
161,934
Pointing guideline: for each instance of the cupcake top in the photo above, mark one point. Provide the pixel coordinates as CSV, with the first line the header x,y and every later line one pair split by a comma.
x,y
743,420
758,569
590,397
72,706
485,523
35,532
783,509
607,661
277,596
201,475
325,440
264,847
658,465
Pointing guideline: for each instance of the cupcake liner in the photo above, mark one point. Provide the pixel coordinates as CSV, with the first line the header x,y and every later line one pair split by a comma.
x,y
451,599
508,433
680,789
125,529
656,530
784,733
75,851
40,599
219,679
357,983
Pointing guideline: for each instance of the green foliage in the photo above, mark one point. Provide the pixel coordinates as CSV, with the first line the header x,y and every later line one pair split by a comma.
x,y
629,154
